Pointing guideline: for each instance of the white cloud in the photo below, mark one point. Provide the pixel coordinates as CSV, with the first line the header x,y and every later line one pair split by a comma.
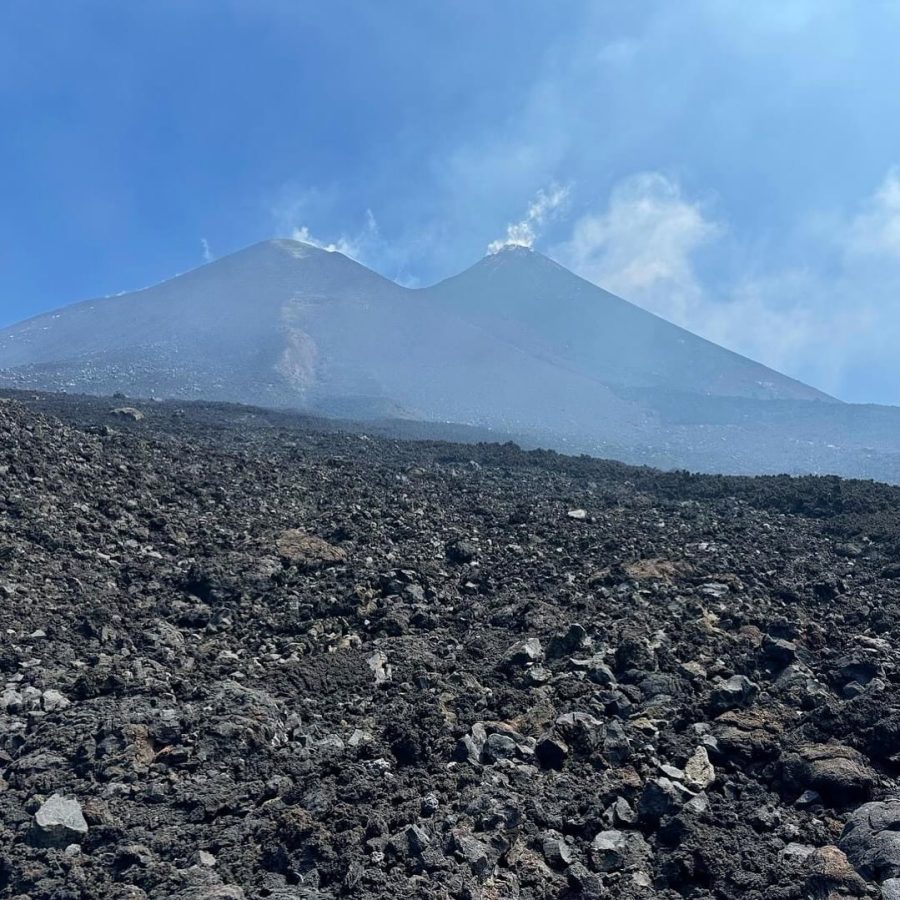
x,y
207,253
644,245
526,231
875,231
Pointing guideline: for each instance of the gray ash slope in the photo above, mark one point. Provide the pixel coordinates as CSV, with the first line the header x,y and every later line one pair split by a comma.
x,y
279,662
286,322
530,301
517,344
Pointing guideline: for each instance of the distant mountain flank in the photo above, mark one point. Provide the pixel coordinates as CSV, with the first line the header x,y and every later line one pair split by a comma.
x,y
284,321
516,343
526,298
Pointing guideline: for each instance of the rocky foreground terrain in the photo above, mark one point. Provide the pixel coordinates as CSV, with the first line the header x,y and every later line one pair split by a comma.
x,y
244,658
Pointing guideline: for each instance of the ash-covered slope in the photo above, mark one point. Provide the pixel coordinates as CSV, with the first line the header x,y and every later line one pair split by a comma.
x,y
271,662
225,331
286,324
514,342
539,306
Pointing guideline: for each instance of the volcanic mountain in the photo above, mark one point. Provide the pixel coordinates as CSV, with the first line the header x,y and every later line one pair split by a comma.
x,y
529,301
516,343
289,324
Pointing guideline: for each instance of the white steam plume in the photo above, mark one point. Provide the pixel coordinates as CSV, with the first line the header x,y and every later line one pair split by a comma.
x,y
356,246
525,232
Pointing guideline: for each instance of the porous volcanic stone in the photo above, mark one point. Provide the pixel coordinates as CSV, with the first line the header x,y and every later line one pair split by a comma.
x,y
60,822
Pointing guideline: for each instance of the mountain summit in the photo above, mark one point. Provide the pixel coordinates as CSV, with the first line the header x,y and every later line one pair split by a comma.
x,y
516,343
526,298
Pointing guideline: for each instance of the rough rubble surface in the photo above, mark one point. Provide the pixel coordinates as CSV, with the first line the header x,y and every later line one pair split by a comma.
x,y
244,660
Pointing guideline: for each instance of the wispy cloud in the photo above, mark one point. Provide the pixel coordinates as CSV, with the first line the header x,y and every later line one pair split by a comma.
x,y
207,253
875,231
642,245
813,321
527,230
297,209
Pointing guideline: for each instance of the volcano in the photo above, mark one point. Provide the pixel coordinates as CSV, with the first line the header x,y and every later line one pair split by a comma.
x,y
516,344
288,324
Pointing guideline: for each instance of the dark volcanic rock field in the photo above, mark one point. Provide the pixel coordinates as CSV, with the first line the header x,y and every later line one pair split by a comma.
x,y
246,658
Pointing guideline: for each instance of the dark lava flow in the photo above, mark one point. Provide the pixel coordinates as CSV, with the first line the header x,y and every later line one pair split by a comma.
x,y
245,657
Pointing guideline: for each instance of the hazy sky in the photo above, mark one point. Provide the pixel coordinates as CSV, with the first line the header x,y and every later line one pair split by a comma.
x,y
731,165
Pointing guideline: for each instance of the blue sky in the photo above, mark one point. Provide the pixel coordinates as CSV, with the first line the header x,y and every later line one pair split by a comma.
x,y
729,165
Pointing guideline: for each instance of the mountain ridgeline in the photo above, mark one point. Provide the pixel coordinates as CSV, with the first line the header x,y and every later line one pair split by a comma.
x,y
516,343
